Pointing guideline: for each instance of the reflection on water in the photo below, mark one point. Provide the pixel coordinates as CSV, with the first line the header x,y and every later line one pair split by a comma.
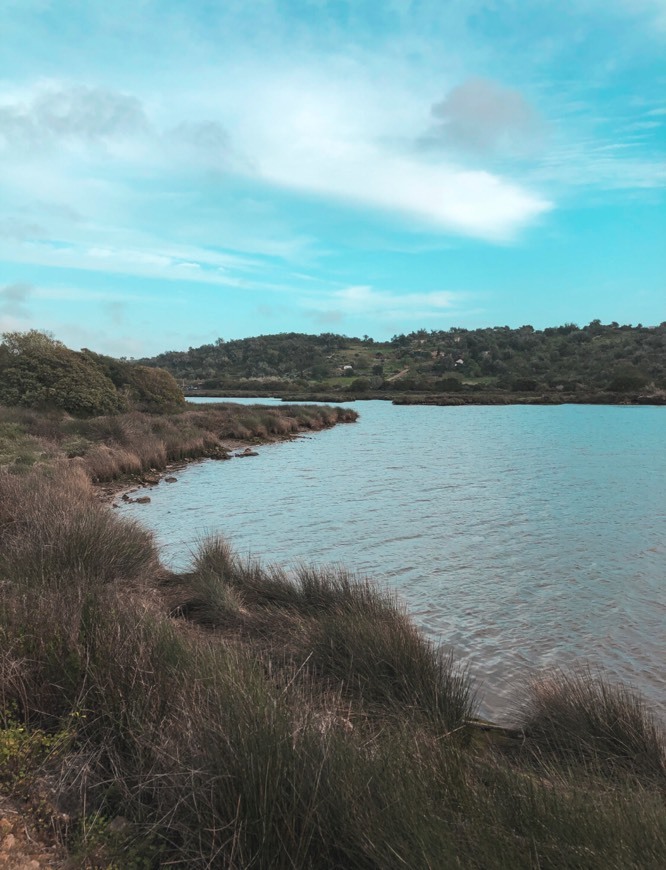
x,y
522,537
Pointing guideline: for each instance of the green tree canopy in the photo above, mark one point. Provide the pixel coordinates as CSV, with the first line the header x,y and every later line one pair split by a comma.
x,y
38,371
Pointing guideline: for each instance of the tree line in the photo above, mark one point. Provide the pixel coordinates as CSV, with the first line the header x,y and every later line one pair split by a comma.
x,y
566,358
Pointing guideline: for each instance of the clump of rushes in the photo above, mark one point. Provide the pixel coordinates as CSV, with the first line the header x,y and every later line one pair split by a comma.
x,y
53,531
353,634
583,718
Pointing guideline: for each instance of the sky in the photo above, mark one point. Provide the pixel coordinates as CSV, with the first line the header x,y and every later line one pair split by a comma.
x,y
175,172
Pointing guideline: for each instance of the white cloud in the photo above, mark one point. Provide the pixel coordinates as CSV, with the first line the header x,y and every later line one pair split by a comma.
x,y
363,301
207,267
443,197
309,135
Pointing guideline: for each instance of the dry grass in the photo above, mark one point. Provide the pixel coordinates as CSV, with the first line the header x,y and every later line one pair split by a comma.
x,y
122,445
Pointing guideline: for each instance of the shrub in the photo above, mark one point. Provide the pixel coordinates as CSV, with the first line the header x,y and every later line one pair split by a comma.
x,y
37,371
154,390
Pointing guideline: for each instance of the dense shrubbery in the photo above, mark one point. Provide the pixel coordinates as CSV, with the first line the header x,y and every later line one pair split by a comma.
x,y
36,371
236,716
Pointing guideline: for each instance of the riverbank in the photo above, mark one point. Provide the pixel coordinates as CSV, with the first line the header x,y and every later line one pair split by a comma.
x,y
235,715
123,451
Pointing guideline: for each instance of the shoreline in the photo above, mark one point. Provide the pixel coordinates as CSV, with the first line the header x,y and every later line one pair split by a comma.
x,y
446,400
111,490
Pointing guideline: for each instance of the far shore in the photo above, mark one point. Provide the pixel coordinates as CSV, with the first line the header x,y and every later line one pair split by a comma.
x,y
444,399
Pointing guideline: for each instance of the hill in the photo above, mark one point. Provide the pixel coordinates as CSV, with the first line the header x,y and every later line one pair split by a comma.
x,y
566,360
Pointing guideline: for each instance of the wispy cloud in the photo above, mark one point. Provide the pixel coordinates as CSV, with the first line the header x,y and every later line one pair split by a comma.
x,y
14,300
365,303
274,151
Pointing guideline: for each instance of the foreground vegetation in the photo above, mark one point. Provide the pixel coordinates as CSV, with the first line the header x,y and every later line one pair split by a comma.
x,y
236,716
599,363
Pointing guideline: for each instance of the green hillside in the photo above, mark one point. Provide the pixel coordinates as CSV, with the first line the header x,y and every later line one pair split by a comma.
x,y
606,358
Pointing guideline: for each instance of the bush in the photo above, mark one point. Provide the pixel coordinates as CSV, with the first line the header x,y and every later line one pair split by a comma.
x,y
626,379
154,390
37,371
450,385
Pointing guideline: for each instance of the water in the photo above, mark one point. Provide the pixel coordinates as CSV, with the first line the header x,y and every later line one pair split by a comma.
x,y
521,537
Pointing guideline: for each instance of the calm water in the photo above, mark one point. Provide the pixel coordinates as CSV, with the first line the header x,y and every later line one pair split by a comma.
x,y
521,537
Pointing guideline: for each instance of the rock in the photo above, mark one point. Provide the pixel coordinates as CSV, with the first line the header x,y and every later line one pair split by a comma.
x,y
247,452
125,497
170,479
119,824
143,499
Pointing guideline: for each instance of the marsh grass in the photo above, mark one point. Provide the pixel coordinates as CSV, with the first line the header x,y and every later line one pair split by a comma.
x,y
288,721
128,444
584,719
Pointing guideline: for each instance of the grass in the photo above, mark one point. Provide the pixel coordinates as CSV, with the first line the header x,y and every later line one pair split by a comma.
x,y
238,716
584,719
107,448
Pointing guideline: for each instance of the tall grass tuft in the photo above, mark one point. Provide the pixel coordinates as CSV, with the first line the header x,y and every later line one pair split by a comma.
x,y
353,634
585,719
384,661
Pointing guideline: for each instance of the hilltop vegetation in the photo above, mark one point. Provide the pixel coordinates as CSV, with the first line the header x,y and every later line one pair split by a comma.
x,y
566,360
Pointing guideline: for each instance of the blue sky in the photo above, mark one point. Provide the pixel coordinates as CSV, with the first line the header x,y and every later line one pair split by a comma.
x,y
172,172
